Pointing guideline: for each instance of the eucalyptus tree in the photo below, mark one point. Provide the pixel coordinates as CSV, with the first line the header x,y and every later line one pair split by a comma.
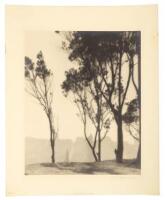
x,y
38,84
111,54
91,105
134,52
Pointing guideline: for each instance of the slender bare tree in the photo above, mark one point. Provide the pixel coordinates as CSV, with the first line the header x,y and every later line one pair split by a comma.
x,y
38,84
91,106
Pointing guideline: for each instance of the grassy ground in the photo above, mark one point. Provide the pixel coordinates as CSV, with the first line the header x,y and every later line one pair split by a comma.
x,y
104,167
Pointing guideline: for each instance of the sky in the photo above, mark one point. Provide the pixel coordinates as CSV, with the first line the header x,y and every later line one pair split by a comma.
x,y
65,111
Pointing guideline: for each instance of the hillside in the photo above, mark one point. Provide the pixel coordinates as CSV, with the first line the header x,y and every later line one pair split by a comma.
x,y
104,167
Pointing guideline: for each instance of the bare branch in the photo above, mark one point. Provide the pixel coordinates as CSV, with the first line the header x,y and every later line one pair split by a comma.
x,y
133,79
136,138
105,134
128,81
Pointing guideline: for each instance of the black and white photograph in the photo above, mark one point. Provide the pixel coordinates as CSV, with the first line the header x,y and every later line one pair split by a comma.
x,y
82,102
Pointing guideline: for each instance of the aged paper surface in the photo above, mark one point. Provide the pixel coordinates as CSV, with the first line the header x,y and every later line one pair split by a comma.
x,y
21,20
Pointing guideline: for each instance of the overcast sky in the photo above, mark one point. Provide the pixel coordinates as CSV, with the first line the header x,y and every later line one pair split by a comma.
x,y
36,124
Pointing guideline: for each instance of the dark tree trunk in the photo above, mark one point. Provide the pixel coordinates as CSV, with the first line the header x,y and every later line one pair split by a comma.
x,y
53,160
53,151
119,150
94,155
99,137
138,158
52,139
99,147
139,97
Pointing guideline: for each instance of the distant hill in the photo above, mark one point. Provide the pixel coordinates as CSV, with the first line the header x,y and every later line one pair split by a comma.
x,y
38,150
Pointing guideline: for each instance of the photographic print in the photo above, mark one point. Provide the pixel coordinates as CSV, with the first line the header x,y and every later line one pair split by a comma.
x,y
81,100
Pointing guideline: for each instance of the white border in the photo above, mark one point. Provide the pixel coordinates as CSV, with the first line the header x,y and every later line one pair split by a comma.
x,y
81,2
161,76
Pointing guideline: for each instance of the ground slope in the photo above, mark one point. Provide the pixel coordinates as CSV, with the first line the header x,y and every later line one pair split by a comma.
x,y
104,167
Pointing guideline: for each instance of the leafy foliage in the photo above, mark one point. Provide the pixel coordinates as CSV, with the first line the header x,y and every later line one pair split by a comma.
x,y
102,45
102,56
132,113
40,70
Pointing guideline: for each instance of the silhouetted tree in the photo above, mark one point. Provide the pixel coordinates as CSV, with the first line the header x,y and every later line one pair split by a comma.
x,y
38,85
111,53
134,52
90,103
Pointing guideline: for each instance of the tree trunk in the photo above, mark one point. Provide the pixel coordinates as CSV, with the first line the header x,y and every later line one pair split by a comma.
x,y
94,155
99,147
53,151
138,158
139,97
119,150
52,139
98,125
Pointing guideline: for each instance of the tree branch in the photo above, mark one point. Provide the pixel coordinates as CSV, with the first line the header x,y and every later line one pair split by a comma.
x,y
128,82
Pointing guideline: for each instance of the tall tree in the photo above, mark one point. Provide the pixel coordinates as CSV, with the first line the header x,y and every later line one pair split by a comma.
x,y
134,52
108,52
38,85
90,104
